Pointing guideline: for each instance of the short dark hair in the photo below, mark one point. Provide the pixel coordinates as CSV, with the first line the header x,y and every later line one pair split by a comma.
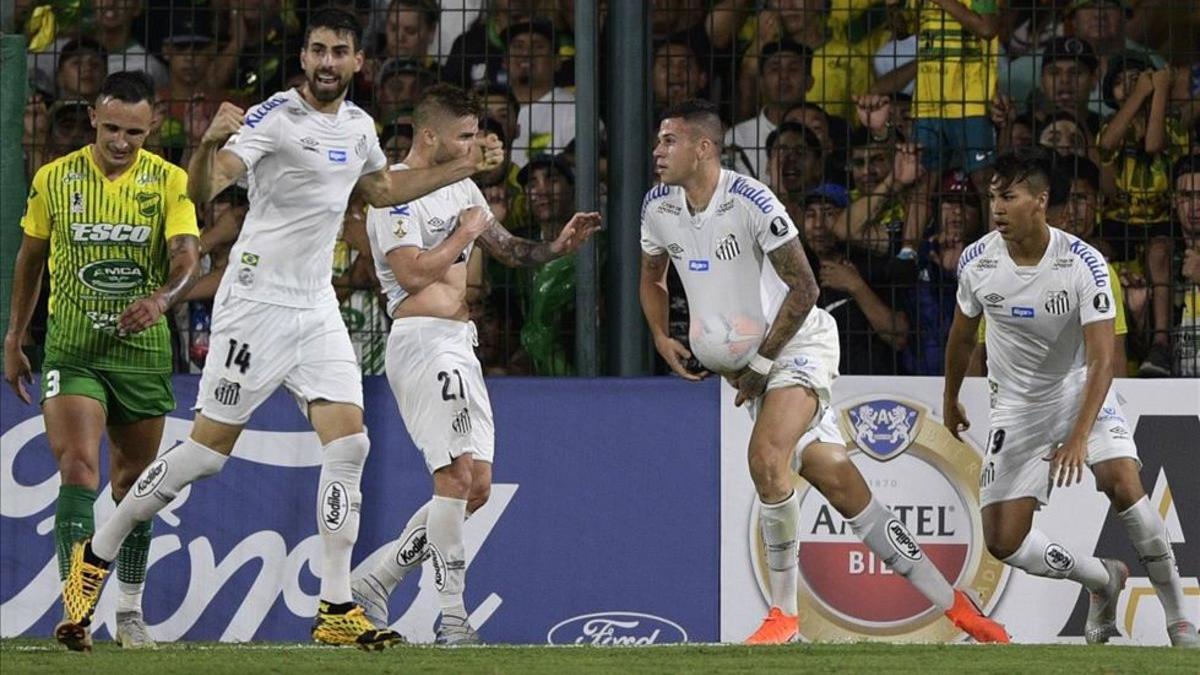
x,y
428,9
1184,166
1068,169
1029,165
810,138
701,114
444,98
128,86
336,20
487,88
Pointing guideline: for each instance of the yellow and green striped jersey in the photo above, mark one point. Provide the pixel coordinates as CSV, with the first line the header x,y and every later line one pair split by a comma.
x,y
1143,179
108,248
956,71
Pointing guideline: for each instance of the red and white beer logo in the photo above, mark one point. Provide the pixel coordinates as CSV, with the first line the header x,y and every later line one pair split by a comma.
x,y
930,481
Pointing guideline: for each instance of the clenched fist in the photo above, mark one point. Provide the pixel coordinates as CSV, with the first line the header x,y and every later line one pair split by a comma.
x,y
224,124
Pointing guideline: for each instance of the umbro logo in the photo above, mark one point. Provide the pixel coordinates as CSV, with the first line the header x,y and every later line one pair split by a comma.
x,y
675,251
993,298
309,143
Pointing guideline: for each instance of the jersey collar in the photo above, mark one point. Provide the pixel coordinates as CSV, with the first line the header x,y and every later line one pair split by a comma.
x,y
89,152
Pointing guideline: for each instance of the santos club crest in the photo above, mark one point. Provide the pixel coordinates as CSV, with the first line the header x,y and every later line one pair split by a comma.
x,y
930,480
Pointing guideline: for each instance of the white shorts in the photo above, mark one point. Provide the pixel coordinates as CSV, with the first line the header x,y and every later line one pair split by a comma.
x,y
254,347
1020,442
810,360
438,384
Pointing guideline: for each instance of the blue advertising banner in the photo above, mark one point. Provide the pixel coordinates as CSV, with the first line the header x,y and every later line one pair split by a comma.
x,y
602,527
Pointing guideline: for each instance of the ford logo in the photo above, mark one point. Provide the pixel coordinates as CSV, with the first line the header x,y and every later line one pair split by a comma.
x,y
628,629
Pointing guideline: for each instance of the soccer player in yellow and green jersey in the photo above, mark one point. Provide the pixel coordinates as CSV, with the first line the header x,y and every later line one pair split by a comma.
x,y
119,232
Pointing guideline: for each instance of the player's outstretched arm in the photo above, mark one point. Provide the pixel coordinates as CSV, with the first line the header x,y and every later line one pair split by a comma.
x,y
184,252
959,346
212,169
391,187
27,285
516,251
652,291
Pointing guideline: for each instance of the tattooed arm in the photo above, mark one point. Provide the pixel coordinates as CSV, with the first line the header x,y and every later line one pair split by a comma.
x,y
184,251
516,251
792,266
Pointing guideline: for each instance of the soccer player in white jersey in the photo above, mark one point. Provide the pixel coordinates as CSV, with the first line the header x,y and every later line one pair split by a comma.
x,y
1048,300
750,295
421,250
276,318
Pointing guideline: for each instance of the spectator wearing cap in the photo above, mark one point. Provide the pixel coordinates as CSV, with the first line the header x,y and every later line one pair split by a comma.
x,y
197,83
854,289
82,67
1066,137
112,30
958,223
1186,181
839,69
70,127
1138,146
794,164
676,74
784,78
547,115
1102,24
401,82
1069,68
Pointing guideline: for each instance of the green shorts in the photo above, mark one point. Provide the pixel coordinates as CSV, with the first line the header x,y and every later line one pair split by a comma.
x,y
126,397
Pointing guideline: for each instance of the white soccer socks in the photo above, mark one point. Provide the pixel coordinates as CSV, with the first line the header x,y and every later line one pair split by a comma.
x,y
444,530
1149,537
154,489
339,502
405,554
780,526
892,543
1041,557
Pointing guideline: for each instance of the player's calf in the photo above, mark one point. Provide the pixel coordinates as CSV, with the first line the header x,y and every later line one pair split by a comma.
x,y
339,503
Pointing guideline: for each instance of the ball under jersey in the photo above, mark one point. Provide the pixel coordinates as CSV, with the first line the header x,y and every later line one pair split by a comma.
x,y
423,223
720,253
301,167
108,248
1035,315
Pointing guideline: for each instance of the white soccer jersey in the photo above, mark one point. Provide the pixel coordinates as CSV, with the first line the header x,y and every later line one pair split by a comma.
x,y
301,167
733,291
423,223
1035,315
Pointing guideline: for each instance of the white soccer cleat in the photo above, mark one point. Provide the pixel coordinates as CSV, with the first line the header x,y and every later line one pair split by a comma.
x,y
368,594
1102,611
456,631
1183,635
132,632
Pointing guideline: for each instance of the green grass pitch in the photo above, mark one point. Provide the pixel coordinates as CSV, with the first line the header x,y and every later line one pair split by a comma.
x,y
43,656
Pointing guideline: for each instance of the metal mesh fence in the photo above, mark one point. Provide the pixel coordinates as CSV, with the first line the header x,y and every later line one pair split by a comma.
x,y
875,121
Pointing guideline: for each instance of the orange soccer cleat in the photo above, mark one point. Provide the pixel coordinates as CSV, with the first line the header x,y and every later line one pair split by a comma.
x,y
966,615
777,629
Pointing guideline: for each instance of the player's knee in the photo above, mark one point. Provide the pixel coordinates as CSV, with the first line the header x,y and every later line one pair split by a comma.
x,y
1122,490
79,468
1002,549
454,480
770,471
831,472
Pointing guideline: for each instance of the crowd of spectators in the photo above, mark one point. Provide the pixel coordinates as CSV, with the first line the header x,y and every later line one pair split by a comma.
x,y
874,121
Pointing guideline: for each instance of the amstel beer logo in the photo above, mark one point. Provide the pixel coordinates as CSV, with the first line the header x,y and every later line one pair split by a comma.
x,y
930,480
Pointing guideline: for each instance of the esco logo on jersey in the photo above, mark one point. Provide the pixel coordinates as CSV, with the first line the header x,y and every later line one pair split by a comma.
x,y
930,481
109,233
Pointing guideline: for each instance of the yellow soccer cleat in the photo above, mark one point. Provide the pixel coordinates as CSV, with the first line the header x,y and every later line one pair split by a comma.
x,y
80,593
351,628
